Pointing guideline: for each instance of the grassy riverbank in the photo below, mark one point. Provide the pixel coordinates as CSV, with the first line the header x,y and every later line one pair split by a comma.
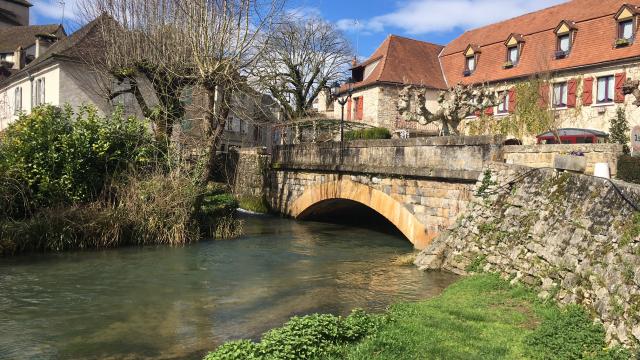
x,y
479,317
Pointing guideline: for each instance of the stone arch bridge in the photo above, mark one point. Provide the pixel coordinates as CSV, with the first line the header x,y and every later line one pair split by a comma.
x,y
418,185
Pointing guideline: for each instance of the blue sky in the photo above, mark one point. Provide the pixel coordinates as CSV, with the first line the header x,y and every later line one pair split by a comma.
x,y
367,22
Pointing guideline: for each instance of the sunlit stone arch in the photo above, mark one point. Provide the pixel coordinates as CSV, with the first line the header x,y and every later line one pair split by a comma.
x,y
385,205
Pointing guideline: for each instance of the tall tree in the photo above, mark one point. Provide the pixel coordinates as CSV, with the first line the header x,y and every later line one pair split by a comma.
x,y
301,57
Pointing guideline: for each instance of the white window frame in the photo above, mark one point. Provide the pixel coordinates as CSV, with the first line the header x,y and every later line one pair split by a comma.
x,y
610,89
513,49
39,92
503,107
17,100
471,60
564,96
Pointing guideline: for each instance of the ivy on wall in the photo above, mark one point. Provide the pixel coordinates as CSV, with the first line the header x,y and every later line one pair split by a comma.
x,y
531,116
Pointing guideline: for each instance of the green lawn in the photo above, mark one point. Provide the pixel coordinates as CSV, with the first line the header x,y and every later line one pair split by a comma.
x,y
478,317
483,317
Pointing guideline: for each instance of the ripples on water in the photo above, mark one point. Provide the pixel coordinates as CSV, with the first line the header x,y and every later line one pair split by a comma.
x,y
161,302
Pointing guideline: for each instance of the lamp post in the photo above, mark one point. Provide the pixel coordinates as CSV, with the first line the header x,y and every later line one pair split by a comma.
x,y
342,100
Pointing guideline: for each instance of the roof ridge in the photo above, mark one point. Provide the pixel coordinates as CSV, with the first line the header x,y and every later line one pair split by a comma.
x,y
412,39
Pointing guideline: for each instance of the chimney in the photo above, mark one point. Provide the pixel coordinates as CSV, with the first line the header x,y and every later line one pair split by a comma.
x,y
18,58
354,61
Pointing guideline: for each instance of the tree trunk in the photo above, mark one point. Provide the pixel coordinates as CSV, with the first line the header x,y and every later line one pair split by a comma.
x,y
215,117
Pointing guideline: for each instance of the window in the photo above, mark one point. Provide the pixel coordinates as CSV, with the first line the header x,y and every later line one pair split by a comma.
x,y
560,95
625,29
503,107
471,64
230,123
39,92
564,43
513,55
17,101
606,90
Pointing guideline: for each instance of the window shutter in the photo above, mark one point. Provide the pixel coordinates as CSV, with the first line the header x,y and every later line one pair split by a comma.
x,y
543,100
360,108
512,100
619,95
572,86
349,109
587,91
489,110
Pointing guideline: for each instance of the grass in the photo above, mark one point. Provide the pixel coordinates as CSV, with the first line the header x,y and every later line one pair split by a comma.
x,y
483,317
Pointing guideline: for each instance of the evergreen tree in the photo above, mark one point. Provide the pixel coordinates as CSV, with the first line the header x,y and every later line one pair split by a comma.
x,y
619,130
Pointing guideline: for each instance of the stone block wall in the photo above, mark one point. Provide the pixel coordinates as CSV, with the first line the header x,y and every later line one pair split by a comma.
x,y
572,236
421,155
544,155
252,172
434,203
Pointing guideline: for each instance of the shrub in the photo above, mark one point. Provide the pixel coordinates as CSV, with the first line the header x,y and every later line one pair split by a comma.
x,y
629,168
154,209
59,157
571,334
305,337
368,134
619,130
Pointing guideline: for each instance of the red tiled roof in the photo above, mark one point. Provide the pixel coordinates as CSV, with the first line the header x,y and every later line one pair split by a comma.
x,y
405,61
594,42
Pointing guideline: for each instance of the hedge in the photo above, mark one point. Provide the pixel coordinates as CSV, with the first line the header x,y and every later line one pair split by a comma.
x,y
629,168
368,134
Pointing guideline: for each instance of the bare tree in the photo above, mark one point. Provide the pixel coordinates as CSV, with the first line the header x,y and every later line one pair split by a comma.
x,y
138,48
210,45
302,56
455,105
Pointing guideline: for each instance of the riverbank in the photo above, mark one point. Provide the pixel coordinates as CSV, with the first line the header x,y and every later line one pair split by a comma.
x,y
478,317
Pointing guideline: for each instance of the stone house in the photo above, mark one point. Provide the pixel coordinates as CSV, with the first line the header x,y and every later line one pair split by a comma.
x,y
584,50
397,62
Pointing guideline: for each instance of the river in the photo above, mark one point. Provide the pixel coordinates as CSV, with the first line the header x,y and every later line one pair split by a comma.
x,y
177,303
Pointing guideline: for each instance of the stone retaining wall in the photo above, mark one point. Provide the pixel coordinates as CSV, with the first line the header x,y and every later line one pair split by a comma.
x,y
572,236
543,155
252,172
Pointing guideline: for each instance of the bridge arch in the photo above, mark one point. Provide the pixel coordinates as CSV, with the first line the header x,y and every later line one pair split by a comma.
x,y
385,205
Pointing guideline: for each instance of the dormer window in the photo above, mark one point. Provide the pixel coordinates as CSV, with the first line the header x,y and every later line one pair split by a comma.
x,y
626,18
471,59
514,48
565,34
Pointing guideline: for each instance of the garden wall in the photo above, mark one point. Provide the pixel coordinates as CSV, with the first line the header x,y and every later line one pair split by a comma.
x,y
543,155
572,236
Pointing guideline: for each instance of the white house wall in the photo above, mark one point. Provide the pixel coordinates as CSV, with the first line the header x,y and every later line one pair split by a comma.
x,y
51,77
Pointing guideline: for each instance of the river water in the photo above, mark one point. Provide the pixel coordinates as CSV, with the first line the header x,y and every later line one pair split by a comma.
x,y
175,303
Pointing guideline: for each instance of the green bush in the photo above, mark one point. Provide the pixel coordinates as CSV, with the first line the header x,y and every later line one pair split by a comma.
x,y
57,157
629,168
571,334
368,134
305,337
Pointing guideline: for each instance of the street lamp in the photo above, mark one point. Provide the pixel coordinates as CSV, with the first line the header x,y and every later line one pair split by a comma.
x,y
342,99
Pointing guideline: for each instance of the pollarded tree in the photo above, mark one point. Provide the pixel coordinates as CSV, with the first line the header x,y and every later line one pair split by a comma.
x,y
302,56
455,105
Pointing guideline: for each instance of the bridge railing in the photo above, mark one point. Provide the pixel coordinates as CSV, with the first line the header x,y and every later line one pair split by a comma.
x,y
452,156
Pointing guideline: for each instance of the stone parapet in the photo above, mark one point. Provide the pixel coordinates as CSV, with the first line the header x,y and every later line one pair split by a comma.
x,y
544,155
452,153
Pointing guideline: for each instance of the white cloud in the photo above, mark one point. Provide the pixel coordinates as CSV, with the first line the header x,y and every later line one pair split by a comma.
x,y
429,16
52,9
305,12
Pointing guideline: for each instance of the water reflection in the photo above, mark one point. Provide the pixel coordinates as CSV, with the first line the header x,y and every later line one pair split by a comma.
x,y
160,302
